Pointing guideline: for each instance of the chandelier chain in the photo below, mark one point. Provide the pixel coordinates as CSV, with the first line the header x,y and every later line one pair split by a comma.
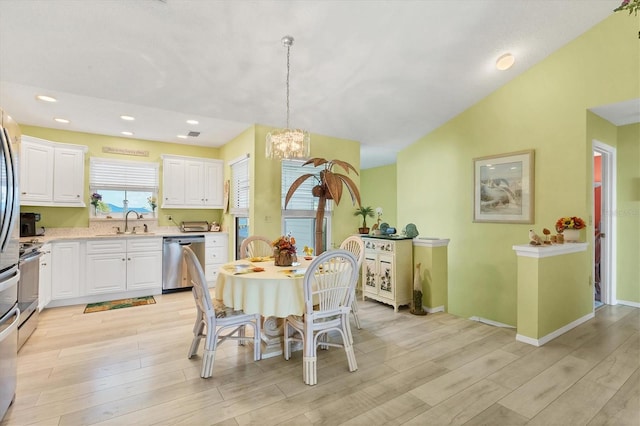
x,y
288,50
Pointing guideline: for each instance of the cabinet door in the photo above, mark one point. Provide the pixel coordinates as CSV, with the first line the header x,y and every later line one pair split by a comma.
x,y
45,277
36,169
65,270
172,182
68,176
105,273
214,186
386,276
370,273
194,183
144,270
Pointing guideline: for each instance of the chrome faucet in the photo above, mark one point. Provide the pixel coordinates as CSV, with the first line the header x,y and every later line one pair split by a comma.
x,y
126,220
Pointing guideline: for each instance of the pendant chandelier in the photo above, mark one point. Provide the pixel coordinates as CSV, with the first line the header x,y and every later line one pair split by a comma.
x,y
288,143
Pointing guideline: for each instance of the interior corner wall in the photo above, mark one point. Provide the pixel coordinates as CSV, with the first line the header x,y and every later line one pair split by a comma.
x,y
379,189
542,109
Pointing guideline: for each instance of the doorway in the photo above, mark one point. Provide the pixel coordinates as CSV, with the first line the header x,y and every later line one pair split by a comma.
x,y
604,223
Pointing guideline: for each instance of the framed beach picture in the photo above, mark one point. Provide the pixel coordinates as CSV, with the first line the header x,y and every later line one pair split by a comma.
x,y
503,188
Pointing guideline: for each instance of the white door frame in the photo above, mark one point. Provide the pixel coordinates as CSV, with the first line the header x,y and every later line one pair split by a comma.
x,y
608,224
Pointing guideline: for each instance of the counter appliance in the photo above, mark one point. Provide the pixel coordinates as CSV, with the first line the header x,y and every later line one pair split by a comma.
x,y
9,272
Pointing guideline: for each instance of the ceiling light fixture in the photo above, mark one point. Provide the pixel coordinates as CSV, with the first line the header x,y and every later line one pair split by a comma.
x,y
182,136
288,143
46,98
62,120
505,62
127,117
192,121
127,133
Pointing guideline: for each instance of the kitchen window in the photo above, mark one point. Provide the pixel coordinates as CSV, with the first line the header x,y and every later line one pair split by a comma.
x,y
240,186
299,217
123,186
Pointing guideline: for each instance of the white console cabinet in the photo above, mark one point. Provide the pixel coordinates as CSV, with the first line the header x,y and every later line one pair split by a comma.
x,y
51,173
216,254
387,271
192,183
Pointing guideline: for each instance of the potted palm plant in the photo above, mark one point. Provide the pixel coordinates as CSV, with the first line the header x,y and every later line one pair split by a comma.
x,y
364,212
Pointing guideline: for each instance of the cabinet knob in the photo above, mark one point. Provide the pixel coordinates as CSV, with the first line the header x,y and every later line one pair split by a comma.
x,y
123,259
24,193
78,196
128,258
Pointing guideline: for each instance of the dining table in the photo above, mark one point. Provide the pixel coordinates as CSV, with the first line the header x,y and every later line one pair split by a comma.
x,y
257,285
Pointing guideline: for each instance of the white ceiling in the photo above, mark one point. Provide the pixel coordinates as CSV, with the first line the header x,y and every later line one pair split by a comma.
x,y
380,72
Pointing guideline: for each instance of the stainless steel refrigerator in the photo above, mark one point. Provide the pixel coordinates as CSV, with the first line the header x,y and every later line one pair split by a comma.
x,y
9,252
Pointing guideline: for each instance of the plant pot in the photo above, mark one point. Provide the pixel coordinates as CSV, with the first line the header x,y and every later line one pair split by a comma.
x,y
282,258
571,235
363,230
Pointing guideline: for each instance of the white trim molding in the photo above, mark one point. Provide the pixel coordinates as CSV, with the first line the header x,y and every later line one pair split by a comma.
x,y
526,250
431,242
554,334
628,303
490,322
434,310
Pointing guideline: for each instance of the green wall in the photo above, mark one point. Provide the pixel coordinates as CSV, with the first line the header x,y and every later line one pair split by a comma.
x,y
543,109
379,189
69,217
628,213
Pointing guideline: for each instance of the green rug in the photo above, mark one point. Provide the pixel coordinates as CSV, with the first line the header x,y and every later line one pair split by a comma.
x,y
119,304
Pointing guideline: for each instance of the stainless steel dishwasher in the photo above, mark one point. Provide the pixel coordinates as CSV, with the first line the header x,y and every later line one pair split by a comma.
x,y
174,271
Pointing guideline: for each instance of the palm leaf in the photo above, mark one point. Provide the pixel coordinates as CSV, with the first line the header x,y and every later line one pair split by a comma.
x,y
346,166
317,161
334,186
295,185
351,186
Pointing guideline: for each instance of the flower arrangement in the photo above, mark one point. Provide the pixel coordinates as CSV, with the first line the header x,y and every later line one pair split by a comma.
x,y
95,199
572,222
633,6
285,244
153,202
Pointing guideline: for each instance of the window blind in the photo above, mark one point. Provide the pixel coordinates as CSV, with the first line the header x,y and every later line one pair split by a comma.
x,y
302,199
123,175
240,187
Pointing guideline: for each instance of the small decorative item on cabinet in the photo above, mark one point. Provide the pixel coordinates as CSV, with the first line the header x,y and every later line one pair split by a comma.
x,y
284,251
364,212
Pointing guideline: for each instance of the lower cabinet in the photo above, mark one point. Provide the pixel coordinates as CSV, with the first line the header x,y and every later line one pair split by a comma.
x,y
387,271
44,295
65,270
122,265
216,254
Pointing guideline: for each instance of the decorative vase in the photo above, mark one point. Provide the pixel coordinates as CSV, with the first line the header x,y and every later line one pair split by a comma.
x,y
571,235
282,258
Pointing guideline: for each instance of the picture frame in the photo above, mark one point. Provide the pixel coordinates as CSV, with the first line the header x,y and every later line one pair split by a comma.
x,y
504,188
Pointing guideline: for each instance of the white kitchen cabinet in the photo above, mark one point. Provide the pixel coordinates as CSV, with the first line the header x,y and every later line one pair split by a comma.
x,y
216,255
117,265
192,183
44,296
66,269
51,174
387,271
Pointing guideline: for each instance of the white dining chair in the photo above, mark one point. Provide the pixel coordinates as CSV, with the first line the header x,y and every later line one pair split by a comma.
x,y
216,320
256,246
328,293
355,245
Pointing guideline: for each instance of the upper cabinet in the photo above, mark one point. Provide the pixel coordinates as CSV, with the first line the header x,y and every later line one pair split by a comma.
x,y
192,183
51,174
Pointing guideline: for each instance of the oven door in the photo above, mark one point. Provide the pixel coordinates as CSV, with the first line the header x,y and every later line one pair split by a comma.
x,y
8,358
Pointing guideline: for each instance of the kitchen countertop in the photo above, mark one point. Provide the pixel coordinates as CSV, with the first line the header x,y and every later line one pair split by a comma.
x,y
56,234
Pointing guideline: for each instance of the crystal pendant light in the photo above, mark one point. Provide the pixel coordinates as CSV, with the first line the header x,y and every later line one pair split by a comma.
x,y
288,143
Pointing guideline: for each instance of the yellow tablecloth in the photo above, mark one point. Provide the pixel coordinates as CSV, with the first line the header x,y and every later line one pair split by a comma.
x,y
272,292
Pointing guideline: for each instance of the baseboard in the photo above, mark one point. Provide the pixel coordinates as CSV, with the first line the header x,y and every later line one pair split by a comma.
x,y
490,322
628,303
434,310
553,335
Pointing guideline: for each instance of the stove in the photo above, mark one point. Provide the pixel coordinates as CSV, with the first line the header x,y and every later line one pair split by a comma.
x,y
29,249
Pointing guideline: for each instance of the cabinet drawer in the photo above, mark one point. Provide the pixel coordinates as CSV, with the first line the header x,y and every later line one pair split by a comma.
x,y
111,245
211,271
215,255
144,244
215,241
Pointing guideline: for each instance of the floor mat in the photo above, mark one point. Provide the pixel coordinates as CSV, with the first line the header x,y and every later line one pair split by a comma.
x,y
119,304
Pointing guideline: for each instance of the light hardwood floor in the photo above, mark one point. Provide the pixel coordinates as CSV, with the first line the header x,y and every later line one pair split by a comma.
x,y
129,366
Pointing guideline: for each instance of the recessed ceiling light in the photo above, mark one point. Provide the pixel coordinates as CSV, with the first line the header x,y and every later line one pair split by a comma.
x,y
46,98
127,133
182,136
505,62
192,121
127,117
62,120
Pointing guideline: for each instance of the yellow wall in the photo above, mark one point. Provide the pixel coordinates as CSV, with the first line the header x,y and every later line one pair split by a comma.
x,y
68,217
543,109
379,189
